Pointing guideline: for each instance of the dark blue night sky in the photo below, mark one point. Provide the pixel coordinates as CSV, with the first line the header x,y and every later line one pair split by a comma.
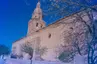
x,y
14,17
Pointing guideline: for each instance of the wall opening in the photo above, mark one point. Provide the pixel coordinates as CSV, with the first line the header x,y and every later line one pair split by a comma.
x,y
49,36
36,24
71,28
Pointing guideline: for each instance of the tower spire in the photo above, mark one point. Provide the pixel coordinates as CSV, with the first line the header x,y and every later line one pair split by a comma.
x,y
36,21
37,11
38,4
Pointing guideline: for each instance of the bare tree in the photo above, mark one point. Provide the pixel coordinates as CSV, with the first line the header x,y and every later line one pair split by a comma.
x,y
75,37
4,50
27,48
65,7
74,46
92,47
42,50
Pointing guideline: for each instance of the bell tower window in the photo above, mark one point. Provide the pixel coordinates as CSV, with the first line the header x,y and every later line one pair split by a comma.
x,y
41,25
49,36
36,24
35,16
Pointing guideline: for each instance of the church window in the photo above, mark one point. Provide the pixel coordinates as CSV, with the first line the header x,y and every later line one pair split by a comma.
x,y
35,16
71,28
41,25
36,24
49,36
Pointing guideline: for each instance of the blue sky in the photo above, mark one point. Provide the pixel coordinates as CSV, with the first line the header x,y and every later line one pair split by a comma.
x,y
14,17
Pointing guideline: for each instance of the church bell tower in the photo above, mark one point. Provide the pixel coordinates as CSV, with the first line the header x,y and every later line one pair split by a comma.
x,y
36,23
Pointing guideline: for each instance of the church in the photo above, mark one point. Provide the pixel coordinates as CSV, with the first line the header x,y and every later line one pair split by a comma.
x,y
54,38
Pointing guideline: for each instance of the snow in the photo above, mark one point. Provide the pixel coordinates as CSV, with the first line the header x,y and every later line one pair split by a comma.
x,y
1,61
17,61
77,60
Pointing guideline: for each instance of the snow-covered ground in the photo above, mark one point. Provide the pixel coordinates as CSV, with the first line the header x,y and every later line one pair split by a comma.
x,y
1,61
18,61
77,60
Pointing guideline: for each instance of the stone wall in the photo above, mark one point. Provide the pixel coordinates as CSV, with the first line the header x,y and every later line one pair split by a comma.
x,y
59,36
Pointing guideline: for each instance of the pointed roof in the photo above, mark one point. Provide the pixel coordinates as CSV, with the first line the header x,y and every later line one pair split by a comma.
x,y
37,11
38,4
38,7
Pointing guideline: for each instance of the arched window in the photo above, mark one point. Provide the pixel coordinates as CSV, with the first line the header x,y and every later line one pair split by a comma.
x,y
36,24
49,36
71,28
41,25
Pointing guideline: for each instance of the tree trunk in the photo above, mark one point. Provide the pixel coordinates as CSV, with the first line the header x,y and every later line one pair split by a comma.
x,y
31,61
2,56
79,51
